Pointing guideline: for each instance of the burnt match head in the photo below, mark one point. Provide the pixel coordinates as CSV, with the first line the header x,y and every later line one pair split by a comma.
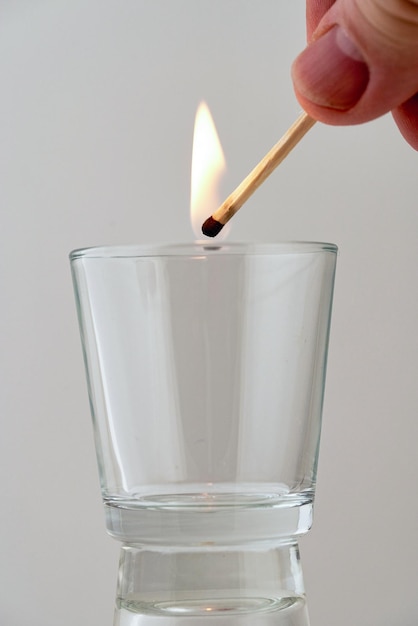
x,y
211,227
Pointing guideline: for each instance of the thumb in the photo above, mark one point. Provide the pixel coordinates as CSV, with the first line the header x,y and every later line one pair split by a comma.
x,y
362,61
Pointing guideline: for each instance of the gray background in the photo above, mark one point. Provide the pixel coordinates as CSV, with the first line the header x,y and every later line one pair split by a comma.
x,y
97,102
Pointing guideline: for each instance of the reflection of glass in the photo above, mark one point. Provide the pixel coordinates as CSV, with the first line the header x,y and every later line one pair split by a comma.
x,y
206,369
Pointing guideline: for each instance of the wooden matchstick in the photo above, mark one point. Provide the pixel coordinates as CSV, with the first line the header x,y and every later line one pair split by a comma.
x,y
214,224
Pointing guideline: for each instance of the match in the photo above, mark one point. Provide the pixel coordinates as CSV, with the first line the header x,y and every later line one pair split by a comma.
x,y
214,224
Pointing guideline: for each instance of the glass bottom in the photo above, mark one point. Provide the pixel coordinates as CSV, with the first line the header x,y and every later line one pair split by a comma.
x,y
222,554
220,517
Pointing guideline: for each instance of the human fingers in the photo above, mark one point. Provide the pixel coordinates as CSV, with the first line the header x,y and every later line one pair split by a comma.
x,y
362,61
406,118
315,10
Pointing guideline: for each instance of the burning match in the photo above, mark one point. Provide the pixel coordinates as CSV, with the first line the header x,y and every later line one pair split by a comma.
x,y
214,224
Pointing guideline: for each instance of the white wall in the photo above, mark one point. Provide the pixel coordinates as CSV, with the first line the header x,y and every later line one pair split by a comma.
x,y
97,101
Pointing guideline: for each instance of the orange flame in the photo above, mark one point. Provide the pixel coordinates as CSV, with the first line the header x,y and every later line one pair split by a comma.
x,y
208,167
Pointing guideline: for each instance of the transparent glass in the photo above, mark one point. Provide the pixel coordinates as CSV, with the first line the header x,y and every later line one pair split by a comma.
x,y
206,369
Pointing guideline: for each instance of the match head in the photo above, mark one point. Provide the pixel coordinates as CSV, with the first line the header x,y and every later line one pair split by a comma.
x,y
211,227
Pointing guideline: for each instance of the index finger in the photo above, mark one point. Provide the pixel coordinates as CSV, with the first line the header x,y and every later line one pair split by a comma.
x,y
315,10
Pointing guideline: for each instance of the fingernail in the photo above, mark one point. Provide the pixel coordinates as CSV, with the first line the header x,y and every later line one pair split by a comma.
x,y
331,72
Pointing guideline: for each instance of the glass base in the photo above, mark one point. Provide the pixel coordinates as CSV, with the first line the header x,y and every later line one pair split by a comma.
x,y
257,585
217,517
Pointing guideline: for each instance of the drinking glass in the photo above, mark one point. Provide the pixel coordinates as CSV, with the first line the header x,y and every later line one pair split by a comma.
x,y
206,368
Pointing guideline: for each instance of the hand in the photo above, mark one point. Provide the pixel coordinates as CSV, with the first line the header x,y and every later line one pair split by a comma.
x,y
361,62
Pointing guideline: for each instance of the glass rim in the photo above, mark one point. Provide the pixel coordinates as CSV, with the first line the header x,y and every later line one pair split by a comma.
x,y
200,248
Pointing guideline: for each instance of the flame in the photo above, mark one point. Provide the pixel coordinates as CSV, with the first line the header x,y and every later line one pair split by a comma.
x,y
208,167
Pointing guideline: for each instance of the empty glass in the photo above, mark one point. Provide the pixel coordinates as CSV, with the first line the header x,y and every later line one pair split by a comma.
x,y
206,370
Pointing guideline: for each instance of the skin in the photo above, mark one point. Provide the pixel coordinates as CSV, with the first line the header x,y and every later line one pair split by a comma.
x,y
361,62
